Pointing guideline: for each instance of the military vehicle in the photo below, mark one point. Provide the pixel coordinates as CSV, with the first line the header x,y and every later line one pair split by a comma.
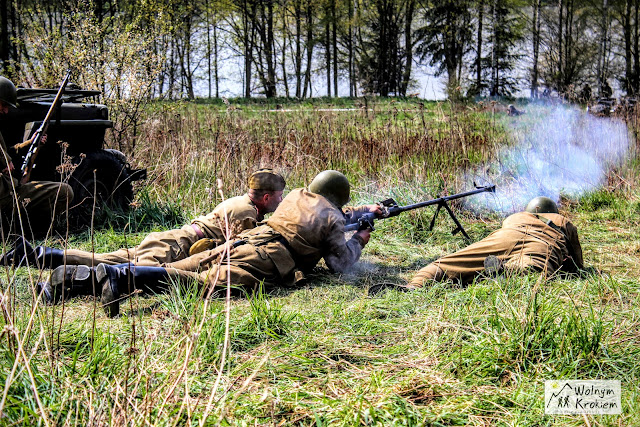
x,y
76,130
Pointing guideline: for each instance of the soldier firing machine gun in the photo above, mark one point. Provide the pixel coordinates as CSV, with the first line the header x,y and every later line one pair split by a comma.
x,y
390,209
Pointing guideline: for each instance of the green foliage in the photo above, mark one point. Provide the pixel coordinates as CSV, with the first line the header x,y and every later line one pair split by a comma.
x,y
266,320
183,300
145,214
597,200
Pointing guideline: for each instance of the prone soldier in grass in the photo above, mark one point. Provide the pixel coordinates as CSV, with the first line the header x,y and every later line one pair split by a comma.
x,y
40,201
538,239
306,227
205,232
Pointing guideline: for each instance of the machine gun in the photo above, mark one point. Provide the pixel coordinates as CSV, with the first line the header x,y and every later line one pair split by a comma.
x,y
36,139
390,208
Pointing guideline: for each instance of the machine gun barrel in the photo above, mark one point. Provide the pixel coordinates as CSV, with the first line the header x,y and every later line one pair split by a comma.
x,y
441,200
390,209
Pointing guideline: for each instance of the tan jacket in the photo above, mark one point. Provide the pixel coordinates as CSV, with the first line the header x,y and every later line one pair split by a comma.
x,y
559,235
545,242
242,214
305,228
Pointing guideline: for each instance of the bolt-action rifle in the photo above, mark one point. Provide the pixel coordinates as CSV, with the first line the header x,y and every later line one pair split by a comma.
x,y
36,139
390,208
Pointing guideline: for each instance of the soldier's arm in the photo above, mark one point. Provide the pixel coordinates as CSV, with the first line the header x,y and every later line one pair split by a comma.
x,y
343,254
352,214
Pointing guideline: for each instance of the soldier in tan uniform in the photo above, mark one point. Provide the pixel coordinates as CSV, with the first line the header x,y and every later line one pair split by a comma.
x,y
306,227
243,212
75,269
539,239
41,201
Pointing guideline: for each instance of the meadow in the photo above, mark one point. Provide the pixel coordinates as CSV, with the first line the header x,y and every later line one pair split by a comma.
x,y
327,354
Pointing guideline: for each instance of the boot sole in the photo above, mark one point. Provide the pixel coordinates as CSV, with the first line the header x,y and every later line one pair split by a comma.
x,y
79,274
69,281
109,299
492,266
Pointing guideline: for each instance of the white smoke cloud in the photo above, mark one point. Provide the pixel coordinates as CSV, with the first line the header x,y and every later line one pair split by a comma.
x,y
558,150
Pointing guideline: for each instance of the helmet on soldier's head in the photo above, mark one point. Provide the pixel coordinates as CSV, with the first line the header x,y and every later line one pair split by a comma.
x,y
333,185
8,93
542,205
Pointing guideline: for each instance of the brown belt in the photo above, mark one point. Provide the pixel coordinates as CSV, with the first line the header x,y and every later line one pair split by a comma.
x,y
199,232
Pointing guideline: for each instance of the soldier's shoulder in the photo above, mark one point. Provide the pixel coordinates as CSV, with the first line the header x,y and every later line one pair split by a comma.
x,y
557,218
237,205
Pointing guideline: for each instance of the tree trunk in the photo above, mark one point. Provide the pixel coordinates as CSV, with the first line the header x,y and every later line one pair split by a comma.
x,y
350,49
569,66
479,47
270,91
208,24
602,75
636,50
560,52
494,51
408,47
188,72
536,48
285,37
309,43
172,68
327,50
215,59
298,64
247,24
628,59
334,35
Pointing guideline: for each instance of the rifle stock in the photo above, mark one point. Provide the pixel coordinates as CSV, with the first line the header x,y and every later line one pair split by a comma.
x,y
36,139
390,209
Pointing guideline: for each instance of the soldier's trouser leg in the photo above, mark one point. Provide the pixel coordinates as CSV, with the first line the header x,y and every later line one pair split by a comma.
x,y
79,257
247,266
156,249
43,201
430,273
164,247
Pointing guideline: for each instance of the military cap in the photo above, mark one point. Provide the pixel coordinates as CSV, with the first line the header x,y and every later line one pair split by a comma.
x,y
266,179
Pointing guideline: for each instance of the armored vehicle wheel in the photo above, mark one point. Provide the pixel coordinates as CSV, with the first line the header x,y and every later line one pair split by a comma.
x,y
103,176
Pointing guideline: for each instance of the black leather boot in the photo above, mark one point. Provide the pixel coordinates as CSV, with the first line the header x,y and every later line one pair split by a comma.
x,y
40,256
123,279
68,282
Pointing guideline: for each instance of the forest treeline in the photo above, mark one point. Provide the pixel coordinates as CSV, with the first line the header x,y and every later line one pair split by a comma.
x,y
168,48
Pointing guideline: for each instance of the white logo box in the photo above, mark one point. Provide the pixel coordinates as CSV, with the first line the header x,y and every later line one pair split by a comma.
x,y
566,397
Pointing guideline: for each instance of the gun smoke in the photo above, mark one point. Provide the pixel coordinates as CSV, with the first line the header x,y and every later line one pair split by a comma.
x,y
558,151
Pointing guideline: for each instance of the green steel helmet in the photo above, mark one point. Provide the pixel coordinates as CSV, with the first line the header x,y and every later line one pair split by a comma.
x,y
542,205
333,185
8,93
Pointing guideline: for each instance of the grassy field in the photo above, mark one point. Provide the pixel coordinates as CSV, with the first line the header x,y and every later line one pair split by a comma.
x,y
327,354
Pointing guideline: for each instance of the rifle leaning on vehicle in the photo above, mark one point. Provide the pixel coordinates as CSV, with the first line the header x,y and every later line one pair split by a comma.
x,y
390,208
36,139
